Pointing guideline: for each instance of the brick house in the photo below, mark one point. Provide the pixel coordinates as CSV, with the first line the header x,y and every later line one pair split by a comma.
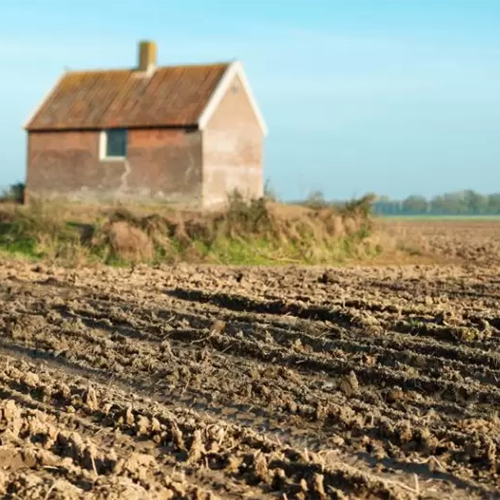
x,y
178,134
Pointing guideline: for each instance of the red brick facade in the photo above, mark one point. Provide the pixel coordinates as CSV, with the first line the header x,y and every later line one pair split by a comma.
x,y
161,165
174,165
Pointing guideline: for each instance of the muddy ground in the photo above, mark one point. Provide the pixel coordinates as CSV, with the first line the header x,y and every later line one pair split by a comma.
x,y
210,382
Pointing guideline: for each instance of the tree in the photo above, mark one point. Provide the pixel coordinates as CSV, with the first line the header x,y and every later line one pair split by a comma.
x,y
494,203
449,204
477,204
415,204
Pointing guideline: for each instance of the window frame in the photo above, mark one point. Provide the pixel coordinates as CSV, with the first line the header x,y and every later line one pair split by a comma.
x,y
103,145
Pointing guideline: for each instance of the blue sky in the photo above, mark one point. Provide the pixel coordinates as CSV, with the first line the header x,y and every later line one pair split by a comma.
x,y
390,96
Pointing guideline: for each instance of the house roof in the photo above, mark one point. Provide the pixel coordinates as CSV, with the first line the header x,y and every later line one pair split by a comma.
x,y
169,96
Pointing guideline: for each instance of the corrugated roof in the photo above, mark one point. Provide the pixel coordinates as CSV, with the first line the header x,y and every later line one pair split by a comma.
x,y
171,96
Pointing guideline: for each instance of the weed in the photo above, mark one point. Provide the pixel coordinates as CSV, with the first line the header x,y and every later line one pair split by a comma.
x,y
269,192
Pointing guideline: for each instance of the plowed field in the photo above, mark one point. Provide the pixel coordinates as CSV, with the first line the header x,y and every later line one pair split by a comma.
x,y
207,382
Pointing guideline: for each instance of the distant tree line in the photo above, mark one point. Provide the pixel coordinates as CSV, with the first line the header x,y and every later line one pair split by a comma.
x,y
466,202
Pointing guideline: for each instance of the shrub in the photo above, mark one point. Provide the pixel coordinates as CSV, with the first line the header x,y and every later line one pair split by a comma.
x,y
15,194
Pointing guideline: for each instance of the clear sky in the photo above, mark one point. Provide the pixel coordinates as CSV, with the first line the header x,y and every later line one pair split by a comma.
x,y
394,97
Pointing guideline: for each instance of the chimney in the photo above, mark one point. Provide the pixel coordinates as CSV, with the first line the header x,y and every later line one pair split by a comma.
x,y
147,56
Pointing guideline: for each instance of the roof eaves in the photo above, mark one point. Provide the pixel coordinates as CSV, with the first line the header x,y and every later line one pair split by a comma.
x,y
180,126
217,95
253,102
46,97
234,69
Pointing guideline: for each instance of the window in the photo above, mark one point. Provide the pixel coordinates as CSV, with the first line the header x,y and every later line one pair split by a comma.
x,y
114,144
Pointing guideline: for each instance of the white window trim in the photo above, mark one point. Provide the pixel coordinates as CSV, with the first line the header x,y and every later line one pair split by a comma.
x,y
103,145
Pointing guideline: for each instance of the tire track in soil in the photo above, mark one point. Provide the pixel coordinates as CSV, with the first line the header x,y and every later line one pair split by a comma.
x,y
251,458
389,421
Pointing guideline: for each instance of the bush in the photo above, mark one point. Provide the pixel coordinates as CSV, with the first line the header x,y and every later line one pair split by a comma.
x,y
15,194
316,200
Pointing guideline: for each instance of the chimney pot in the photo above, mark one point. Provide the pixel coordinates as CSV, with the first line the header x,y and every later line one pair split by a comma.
x,y
147,55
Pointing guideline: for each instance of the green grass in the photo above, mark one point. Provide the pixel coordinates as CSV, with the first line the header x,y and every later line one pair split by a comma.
x,y
224,251
11,242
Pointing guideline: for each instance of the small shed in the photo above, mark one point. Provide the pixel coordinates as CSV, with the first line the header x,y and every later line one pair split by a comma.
x,y
178,134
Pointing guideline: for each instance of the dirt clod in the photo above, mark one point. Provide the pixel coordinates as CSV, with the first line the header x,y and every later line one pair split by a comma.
x,y
349,384
186,382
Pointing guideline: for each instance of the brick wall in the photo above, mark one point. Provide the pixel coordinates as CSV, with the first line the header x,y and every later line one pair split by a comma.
x,y
232,149
162,165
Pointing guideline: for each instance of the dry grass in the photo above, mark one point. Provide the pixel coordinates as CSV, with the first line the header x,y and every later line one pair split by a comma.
x,y
258,231
127,241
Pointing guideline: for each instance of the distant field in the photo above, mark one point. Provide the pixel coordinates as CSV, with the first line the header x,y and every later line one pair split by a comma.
x,y
455,239
433,218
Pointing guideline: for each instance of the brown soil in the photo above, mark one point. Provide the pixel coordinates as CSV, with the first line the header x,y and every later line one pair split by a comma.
x,y
466,240
194,382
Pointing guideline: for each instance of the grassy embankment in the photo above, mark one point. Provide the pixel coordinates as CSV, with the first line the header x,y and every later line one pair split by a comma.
x,y
258,232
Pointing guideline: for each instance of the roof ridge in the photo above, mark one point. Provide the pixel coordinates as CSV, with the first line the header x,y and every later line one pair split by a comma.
x,y
165,66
